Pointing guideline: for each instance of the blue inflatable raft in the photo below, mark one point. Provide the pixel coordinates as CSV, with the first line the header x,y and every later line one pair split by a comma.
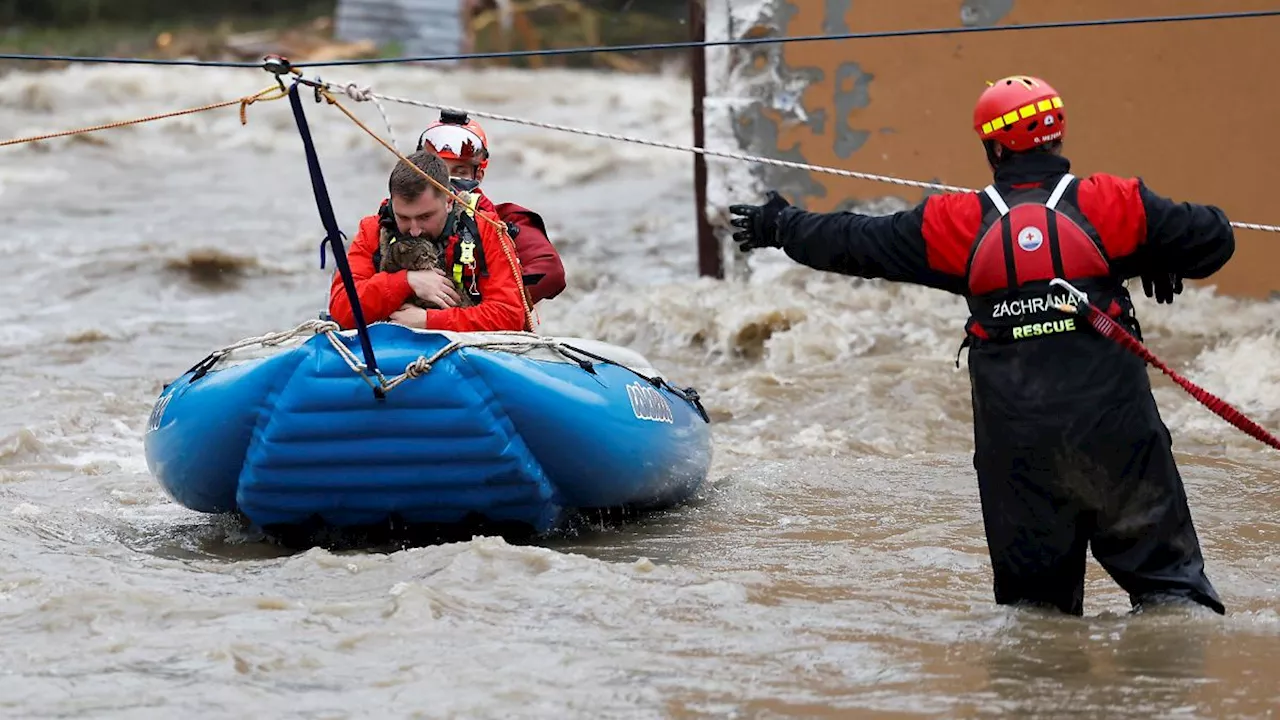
x,y
505,427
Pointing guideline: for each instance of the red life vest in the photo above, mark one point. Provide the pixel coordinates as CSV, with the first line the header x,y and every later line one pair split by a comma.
x,y
1027,239
463,257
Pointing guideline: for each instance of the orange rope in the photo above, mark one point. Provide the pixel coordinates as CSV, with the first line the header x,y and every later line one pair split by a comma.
x,y
243,102
501,227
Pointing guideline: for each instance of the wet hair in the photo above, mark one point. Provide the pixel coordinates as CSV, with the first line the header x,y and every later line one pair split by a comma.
x,y
407,183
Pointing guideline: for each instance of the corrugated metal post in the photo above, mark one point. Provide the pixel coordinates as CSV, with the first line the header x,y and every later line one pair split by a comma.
x,y
710,261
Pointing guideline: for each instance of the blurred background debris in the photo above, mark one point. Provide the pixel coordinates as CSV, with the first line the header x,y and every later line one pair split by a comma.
x,y
334,29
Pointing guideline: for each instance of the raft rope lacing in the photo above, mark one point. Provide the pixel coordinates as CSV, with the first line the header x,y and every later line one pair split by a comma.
x,y
417,368
276,338
422,364
509,340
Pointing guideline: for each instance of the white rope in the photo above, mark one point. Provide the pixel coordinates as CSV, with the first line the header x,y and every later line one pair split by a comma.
x,y
361,94
423,364
510,340
368,94
276,338
519,340
655,143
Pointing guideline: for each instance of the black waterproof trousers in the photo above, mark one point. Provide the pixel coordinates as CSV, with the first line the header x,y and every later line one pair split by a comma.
x,y
1070,451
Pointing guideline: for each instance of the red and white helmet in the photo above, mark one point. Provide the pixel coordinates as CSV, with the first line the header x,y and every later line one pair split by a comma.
x,y
1020,112
456,137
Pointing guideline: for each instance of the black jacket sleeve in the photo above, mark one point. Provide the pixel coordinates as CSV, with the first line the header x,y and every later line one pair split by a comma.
x,y
1193,241
891,247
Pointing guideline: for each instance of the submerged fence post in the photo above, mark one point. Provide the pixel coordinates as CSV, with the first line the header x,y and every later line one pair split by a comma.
x,y
710,260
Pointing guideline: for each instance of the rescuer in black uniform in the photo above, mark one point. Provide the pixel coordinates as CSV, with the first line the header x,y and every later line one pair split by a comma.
x,y
1069,446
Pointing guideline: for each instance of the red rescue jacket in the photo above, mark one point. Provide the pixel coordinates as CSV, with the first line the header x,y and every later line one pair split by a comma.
x,y
500,306
540,263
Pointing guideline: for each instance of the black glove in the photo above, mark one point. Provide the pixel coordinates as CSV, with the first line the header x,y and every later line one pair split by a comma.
x,y
759,223
1163,285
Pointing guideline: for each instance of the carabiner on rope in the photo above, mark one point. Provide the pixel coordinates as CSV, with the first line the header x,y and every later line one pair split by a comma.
x,y
1082,299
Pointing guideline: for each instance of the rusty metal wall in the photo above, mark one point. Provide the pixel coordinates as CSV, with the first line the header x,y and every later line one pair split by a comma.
x,y
1187,106
422,27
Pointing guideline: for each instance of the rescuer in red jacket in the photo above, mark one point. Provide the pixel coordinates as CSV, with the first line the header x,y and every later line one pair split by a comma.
x,y
463,145
1069,447
473,261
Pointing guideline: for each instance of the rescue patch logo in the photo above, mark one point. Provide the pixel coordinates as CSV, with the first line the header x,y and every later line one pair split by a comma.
x,y
1030,238
1022,332
1024,306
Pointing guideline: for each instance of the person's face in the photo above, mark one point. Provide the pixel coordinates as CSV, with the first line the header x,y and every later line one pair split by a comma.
x,y
463,169
423,217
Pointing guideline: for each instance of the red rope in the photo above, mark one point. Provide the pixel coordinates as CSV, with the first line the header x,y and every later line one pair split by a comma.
x,y
1110,328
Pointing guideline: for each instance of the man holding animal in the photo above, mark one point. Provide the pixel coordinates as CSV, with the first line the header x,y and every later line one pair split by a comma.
x,y
423,262
464,147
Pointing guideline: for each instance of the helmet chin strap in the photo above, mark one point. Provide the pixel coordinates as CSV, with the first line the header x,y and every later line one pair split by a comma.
x,y
992,147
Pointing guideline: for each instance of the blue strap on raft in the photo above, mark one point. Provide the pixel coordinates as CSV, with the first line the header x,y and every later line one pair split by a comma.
x,y
333,235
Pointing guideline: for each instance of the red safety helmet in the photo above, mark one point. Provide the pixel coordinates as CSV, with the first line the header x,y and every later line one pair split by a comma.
x,y
456,137
1020,112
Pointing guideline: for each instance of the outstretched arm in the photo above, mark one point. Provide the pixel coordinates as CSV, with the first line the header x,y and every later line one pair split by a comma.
x,y
926,245
1191,240
1149,235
